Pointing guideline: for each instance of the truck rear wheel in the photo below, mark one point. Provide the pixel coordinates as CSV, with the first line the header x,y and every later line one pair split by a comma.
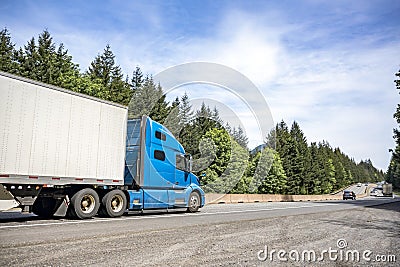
x,y
84,204
113,204
194,202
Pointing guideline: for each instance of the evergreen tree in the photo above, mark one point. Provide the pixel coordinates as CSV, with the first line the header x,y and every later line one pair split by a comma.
x,y
28,59
104,69
270,140
200,125
172,121
301,161
137,79
7,52
271,173
289,153
316,173
185,110
160,110
240,137
46,50
43,62
393,172
144,99
186,125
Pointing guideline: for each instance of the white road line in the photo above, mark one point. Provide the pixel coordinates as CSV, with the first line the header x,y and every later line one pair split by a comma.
x,y
162,216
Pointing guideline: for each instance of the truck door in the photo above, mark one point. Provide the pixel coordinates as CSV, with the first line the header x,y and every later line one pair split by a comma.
x,y
181,172
182,180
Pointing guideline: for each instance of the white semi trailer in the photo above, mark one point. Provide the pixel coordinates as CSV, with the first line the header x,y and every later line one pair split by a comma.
x,y
61,152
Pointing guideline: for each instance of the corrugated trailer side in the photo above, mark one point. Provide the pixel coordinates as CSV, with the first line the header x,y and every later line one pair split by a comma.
x,y
60,152
49,135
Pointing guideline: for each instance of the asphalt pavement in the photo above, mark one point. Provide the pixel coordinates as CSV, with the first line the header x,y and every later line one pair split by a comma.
x,y
219,235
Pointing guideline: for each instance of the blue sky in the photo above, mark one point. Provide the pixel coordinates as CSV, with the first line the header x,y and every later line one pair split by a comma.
x,y
327,64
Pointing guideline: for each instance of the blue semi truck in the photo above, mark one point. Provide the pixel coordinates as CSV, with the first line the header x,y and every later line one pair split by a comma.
x,y
64,153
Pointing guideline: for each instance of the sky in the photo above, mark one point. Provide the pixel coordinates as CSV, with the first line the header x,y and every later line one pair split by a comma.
x,y
329,65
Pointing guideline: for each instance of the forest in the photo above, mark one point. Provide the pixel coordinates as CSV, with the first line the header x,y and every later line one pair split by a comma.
x,y
285,164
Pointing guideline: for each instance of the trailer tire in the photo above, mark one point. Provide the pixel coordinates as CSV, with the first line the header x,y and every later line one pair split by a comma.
x,y
84,204
44,207
194,202
113,204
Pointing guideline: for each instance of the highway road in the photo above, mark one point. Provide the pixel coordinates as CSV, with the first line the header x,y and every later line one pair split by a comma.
x,y
358,190
219,235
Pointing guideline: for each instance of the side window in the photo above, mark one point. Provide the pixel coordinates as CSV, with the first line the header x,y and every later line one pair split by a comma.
x,y
181,162
161,136
160,155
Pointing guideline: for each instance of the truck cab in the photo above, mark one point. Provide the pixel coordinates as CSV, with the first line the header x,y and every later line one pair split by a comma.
x,y
157,169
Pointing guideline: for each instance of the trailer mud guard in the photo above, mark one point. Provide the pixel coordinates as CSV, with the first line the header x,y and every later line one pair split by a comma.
x,y
63,208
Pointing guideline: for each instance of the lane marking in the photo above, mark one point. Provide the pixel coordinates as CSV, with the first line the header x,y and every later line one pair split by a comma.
x,y
143,217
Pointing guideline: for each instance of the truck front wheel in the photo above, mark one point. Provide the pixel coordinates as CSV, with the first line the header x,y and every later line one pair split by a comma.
x,y
113,204
84,204
194,202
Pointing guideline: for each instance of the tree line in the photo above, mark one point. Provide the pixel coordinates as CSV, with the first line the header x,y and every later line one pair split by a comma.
x,y
285,164
393,172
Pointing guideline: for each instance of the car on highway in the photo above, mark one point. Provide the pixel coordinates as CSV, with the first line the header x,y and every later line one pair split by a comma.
x,y
376,192
359,185
347,194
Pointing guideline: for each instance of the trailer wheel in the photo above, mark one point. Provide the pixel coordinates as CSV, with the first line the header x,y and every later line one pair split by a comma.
x,y
44,207
113,204
84,204
194,202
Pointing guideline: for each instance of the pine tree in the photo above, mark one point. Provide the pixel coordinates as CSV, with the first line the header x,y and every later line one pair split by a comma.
x,y
172,121
160,110
137,79
186,125
271,173
149,100
301,161
316,173
270,140
289,153
185,110
104,69
43,62
7,52
28,59
393,173
46,50
240,136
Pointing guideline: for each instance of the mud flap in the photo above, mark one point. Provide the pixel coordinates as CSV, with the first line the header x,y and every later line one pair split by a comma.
x,y
63,207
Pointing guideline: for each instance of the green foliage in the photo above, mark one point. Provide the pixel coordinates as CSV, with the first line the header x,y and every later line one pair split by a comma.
x,y
103,69
225,173
393,172
7,52
240,137
149,99
269,176
137,79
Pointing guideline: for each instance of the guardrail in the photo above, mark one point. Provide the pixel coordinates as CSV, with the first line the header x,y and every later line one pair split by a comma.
x,y
254,198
